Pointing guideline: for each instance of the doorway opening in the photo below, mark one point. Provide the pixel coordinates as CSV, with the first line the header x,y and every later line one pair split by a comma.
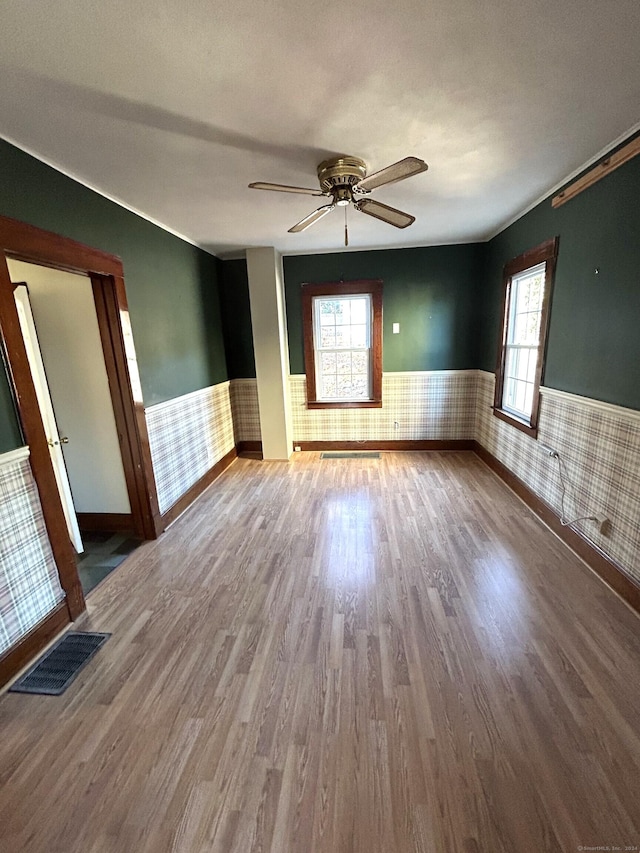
x,y
23,243
59,324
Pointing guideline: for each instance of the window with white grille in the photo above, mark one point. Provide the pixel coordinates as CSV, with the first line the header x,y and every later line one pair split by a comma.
x,y
342,338
342,335
523,340
528,281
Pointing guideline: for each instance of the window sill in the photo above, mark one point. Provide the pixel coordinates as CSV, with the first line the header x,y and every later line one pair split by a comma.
x,y
344,404
523,426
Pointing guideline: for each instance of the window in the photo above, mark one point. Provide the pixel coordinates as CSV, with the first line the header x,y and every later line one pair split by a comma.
x,y
528,281
342,327
342,342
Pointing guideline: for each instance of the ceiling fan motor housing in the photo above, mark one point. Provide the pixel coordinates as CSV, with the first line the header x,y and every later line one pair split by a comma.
x,y
339,175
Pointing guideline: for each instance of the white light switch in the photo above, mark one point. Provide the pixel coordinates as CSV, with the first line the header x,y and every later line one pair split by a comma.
x,y
396,328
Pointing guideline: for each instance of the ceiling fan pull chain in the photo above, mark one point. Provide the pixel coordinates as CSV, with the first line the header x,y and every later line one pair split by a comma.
x,y
346,230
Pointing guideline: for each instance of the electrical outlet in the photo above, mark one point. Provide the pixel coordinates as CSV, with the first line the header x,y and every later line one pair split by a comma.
x,y
396,425
549,451
604,524
297,448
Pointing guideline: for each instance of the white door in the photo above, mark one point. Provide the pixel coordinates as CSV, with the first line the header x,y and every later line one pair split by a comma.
x,y
46,411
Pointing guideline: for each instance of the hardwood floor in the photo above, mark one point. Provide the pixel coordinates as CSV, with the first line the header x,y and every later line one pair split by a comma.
x,y
355,656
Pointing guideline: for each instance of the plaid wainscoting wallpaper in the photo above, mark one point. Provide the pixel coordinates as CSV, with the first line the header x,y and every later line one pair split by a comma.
x,y
599,447
246,411
188,435
437,405
29,584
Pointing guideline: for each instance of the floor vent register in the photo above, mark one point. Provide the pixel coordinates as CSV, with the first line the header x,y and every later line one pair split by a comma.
x,y
58,667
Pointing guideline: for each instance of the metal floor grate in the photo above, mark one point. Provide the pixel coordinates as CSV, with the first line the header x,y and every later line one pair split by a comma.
x,y
57,668
350,454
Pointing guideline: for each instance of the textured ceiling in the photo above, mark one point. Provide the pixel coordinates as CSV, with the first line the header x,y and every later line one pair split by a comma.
x,y
174,107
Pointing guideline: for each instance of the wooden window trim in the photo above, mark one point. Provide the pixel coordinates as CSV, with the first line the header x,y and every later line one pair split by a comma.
x,y
339,288
546,253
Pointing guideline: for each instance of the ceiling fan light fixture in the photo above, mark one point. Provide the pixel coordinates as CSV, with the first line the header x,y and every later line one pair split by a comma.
x,y
342,195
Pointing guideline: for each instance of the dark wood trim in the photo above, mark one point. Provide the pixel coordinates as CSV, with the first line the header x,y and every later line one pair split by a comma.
x,y
128,408
27,243
418,444
35,437
613,574
34,245
198,488
551,253
343,288
547,253
249,447
136,417
344,404
20,654
532,257
515,422
610,163
376,340
106,522
100,286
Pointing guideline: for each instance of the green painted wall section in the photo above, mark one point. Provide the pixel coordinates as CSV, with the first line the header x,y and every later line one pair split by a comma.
x,y
10,435
431,292
236,320
172,287
594,334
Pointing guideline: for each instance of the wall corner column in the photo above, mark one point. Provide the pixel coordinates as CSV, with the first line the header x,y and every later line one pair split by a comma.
x,y
271,347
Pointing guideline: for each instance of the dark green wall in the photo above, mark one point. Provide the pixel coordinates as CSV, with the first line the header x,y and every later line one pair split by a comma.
x,y
172,286
431,292
594,334
10,436
236,320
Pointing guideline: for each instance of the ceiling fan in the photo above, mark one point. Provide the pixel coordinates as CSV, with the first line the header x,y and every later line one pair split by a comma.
x,y
343,180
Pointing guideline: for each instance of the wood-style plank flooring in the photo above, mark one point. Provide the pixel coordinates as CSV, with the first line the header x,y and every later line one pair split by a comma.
x,y
346,656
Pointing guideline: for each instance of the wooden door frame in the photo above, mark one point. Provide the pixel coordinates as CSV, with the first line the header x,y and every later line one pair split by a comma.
x,y
24,242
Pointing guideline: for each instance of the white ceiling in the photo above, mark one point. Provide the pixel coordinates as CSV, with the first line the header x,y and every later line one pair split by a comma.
x,y
173,106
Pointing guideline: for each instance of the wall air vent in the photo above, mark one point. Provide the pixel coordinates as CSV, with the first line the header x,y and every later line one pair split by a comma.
x,y
350,454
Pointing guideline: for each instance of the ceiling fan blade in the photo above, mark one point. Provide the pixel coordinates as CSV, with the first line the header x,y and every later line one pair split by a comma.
x,y
396,172
283,188
311,218
385,213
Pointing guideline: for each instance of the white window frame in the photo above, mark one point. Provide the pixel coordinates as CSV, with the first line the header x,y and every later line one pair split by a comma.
x,y
511,347
319,349
542,257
